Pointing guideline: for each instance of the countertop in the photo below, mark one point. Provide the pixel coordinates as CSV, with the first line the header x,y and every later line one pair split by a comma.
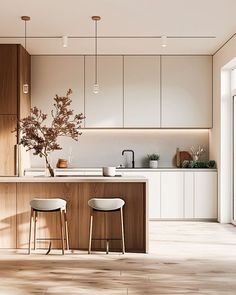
x,y
120,170
90,178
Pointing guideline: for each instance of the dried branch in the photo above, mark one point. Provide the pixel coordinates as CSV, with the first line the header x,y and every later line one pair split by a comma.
x,y
42,139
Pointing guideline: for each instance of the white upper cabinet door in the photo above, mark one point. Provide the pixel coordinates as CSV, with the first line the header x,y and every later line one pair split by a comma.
x,y
186,91
141,91
172,195
205,195
104,109
51,75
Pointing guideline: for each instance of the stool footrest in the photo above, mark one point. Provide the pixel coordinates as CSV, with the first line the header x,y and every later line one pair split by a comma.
x,y
100,239
48,239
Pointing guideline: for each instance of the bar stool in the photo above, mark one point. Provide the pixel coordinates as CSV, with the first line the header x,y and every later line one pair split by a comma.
x,y
106,205
49,205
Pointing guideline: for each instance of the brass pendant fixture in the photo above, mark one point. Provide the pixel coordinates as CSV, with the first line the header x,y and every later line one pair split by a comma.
x,y
25,19
96,85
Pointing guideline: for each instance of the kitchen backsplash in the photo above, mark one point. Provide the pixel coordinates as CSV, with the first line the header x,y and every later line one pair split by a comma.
x,y
97,148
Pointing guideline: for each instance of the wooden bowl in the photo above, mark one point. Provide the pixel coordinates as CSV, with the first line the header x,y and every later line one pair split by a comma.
x,y
62,163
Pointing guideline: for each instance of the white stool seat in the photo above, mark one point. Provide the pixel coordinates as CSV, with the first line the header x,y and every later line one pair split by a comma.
x,y
104,204
48,204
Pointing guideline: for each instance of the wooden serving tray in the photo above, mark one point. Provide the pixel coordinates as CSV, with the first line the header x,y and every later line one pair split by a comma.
x,y
183,155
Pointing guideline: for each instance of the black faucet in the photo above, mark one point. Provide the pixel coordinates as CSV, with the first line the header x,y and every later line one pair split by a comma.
x,y
133,163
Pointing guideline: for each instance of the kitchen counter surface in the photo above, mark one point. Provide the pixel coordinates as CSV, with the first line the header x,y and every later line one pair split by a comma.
x,y
120,170
80,178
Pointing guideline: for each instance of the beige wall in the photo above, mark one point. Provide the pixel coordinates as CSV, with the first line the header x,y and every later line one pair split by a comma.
x,y
220,141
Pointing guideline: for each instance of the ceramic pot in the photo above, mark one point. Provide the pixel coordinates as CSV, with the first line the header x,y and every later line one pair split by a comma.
x,y
109,171
153,164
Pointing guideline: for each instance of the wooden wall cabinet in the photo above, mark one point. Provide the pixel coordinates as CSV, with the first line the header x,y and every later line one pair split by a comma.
x,y
8,79
14,104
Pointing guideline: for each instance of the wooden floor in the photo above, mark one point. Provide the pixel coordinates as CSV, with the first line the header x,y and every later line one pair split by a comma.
x,y
185,258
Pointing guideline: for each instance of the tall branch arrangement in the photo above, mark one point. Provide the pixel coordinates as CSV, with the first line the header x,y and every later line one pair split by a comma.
x,y
42,139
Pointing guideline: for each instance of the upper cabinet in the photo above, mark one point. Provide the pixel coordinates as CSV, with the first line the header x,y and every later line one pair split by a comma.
x,y
134,91
104,109
186,91
8,79
142,91
53,75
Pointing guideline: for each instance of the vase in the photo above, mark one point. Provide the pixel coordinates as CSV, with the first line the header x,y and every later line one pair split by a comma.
x,y
49,172
195,158
153,164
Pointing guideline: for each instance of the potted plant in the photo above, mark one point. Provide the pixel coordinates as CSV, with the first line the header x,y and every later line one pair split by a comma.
x,y
42,139
153,160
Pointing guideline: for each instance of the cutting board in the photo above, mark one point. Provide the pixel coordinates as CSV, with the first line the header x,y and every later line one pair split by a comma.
x,y
183,155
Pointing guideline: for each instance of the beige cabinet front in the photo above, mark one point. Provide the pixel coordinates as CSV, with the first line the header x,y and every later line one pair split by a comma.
x,y
172,195
142,91
186,91
104,109
205,192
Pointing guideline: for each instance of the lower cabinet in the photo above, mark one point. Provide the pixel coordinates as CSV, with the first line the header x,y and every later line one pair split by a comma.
x,y
172,195
205,195
154,191
181,194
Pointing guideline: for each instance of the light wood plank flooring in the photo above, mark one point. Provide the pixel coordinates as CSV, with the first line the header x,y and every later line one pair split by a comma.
x,y
185,258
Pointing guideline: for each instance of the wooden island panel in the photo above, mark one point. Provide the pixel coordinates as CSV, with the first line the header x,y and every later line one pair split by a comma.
x,y
8,215
48,223
78,211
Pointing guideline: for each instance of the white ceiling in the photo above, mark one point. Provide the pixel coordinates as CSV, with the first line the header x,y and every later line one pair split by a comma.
x,y
120,18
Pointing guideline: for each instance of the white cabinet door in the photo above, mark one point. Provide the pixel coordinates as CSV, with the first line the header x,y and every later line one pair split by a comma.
x,y
154,191
51,75
186,91
104,109
205,192
172,200
188,194
141,91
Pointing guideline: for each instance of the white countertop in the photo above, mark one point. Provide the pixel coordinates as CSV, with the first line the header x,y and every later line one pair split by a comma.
x,y
120,170
91,178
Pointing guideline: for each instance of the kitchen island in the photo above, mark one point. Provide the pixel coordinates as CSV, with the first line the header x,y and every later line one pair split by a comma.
x,y
16,193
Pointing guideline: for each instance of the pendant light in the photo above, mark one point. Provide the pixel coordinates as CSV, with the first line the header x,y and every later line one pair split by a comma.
x,y
164,41
65,41
25,19
96,85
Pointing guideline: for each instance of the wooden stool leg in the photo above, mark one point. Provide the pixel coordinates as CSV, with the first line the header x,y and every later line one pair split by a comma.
x,y
35,227
31,220
90,232
122,230
66,230
62,231
107,247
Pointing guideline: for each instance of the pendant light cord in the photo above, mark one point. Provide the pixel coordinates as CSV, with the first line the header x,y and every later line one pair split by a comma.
x,y
25,34
96,53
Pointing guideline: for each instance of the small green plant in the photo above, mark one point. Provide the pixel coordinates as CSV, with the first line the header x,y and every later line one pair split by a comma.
x,y
153,157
